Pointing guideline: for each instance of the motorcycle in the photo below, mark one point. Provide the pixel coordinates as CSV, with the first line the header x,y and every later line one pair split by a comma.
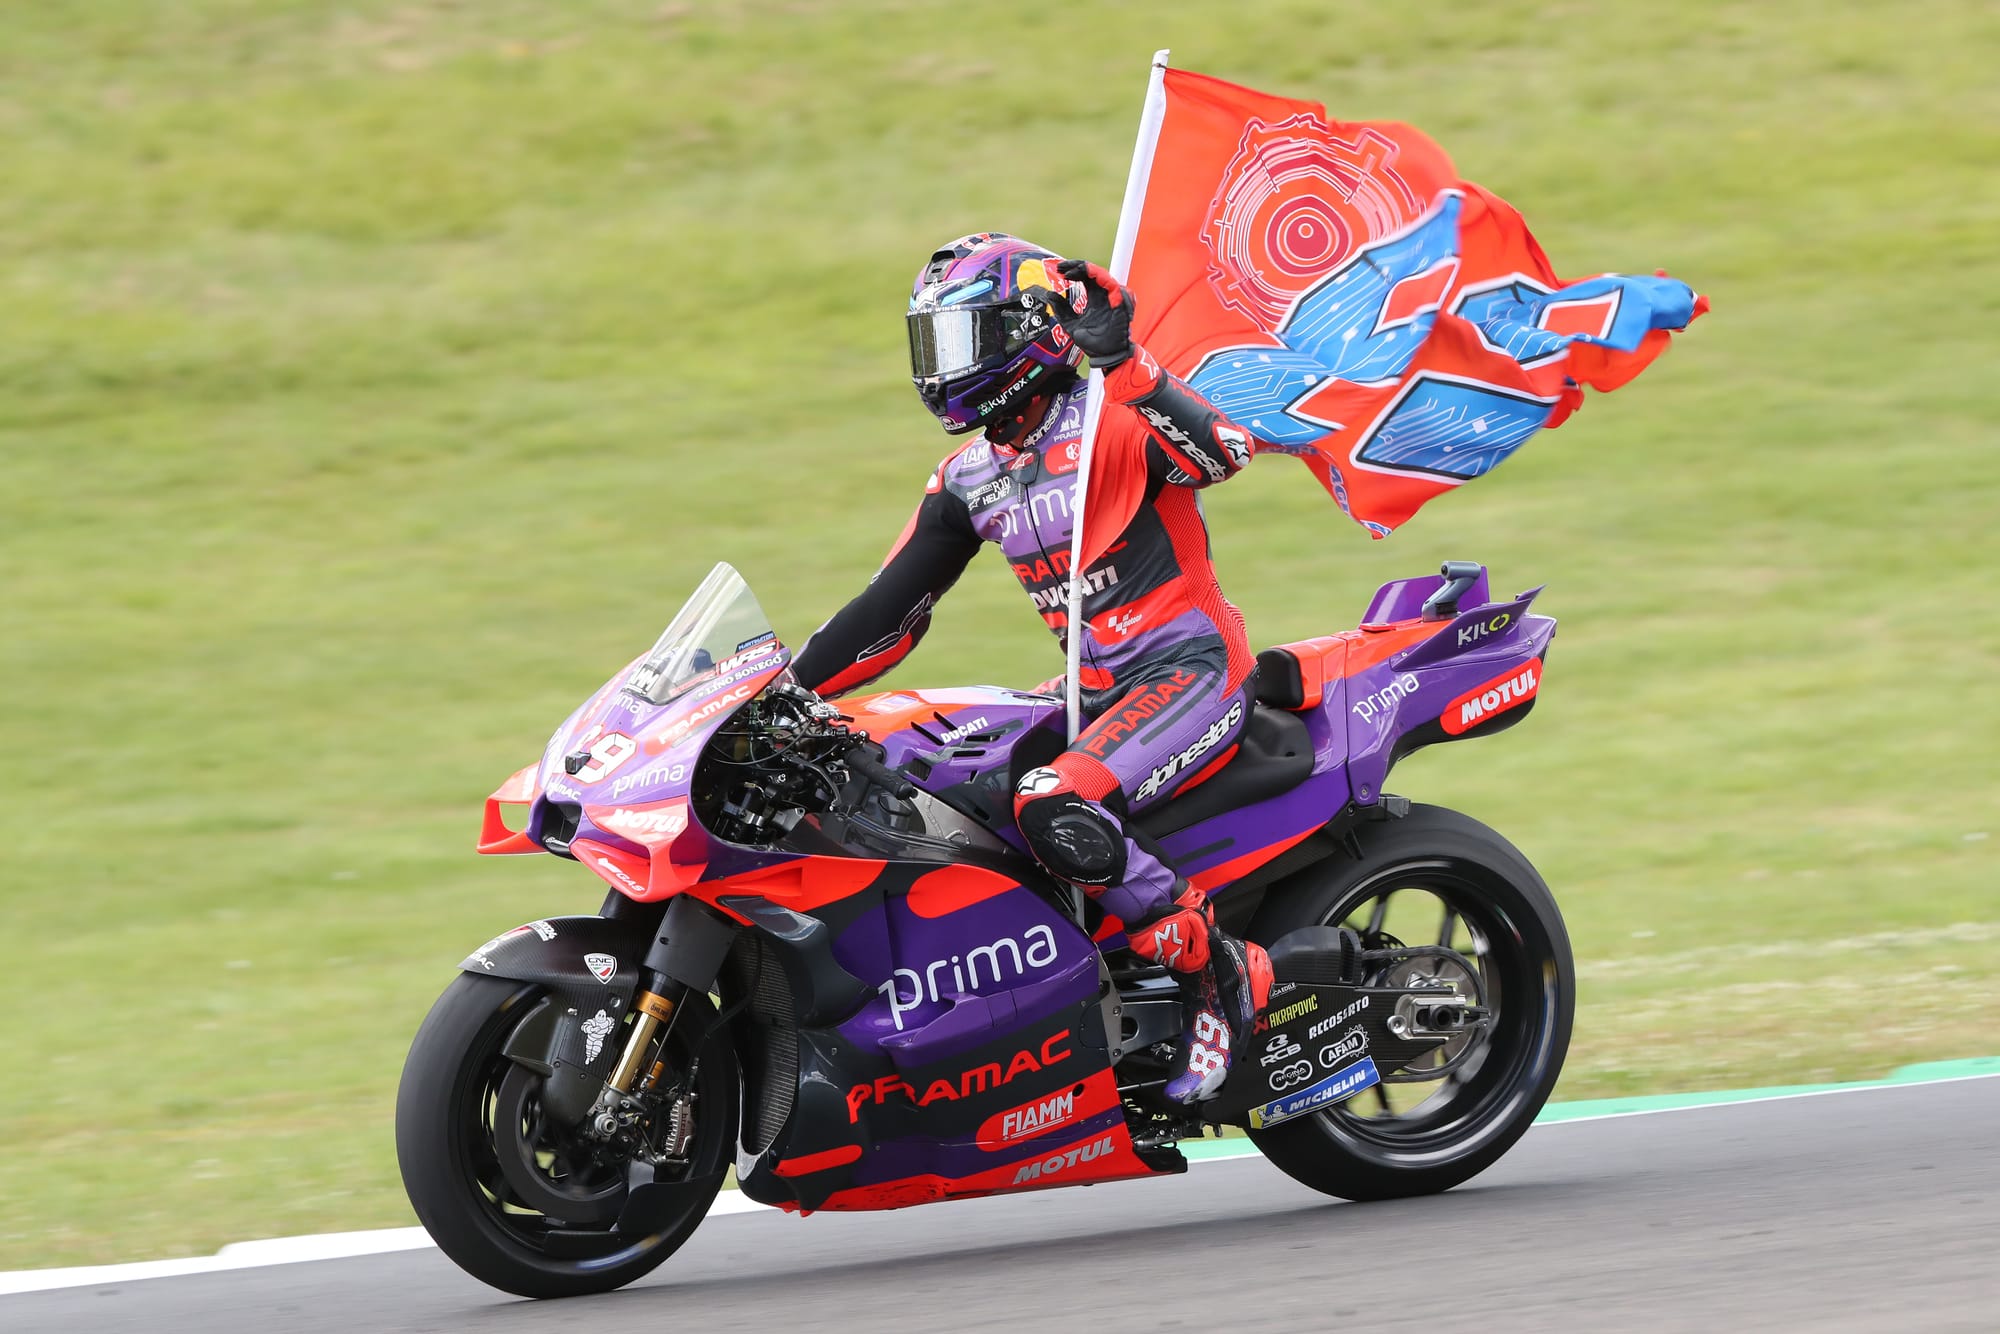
x,y
826,960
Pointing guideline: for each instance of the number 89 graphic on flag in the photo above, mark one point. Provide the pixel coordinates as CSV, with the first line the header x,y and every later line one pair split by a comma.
x,y
1336,289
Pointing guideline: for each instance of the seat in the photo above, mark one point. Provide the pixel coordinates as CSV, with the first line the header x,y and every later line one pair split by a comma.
x,y
1274,755
1296,676
1280,679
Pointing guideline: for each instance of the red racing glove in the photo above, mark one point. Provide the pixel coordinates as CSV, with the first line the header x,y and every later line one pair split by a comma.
x,y
1097,315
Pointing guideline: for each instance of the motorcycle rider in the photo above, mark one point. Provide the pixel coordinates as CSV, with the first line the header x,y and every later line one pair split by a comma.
x,y
997,328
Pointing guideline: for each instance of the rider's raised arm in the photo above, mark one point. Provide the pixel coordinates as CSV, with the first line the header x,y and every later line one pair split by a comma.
x,y
1191,443
878,629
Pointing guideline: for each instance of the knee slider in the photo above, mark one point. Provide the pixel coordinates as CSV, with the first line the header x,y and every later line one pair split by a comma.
x,y
1073,838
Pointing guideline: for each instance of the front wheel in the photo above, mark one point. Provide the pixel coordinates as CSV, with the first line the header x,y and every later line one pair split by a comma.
x,y
1434,876
527,1205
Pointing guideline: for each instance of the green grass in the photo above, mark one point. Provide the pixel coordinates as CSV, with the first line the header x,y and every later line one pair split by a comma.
x,y
375,376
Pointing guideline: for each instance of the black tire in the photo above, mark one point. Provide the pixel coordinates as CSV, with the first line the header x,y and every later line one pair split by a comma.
x,y
446,1148
1470,1121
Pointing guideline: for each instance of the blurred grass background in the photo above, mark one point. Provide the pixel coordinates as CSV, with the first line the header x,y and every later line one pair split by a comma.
x,y
377,376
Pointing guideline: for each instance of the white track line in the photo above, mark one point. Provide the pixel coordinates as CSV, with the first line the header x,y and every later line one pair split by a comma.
x,y
272,1251
347,1245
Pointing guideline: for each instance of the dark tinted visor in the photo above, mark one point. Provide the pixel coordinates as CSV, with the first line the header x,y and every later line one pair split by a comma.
x,y
946,342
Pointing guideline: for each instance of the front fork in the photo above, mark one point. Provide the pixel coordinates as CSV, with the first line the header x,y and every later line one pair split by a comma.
x,y
686,954
653,1010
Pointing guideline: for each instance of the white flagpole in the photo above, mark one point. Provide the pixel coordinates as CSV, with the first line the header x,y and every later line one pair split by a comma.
x,y
1150,116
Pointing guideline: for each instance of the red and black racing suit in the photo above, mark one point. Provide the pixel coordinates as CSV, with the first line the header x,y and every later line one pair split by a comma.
x,y
1164,660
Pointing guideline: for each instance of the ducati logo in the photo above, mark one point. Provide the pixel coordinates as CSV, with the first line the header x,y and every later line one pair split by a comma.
x,y
601,966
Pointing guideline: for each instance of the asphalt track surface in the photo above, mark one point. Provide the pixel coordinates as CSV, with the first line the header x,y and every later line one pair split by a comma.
x,y
1872,1210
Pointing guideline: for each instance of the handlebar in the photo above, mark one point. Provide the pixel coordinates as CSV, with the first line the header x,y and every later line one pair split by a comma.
x,y
874,771
860,757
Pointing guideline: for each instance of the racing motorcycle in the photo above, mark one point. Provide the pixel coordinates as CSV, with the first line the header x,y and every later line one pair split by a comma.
x,y
827,961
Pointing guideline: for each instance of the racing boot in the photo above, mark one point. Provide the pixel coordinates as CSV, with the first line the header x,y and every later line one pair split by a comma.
x,y
1225,984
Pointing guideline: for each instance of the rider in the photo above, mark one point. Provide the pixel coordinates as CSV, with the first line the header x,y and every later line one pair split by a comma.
x,y
1165,660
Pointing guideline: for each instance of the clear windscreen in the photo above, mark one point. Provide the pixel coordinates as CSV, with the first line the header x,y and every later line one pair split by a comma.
x,y
719,622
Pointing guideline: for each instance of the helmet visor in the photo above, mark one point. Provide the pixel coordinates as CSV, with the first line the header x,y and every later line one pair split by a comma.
x,y
946,342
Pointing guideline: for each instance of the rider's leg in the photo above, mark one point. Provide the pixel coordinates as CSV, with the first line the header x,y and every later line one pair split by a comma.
x,y
1139,751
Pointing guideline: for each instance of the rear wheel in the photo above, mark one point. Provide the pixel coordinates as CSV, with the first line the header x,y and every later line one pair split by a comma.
x,y
527,1205
1435,877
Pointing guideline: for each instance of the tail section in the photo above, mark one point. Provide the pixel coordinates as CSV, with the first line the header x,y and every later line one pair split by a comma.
x,y
1436,660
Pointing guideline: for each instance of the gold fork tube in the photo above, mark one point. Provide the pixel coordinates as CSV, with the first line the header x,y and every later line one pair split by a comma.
x,y
652,1010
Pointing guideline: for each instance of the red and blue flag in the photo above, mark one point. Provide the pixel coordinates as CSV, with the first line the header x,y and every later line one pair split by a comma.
x,y
1337,290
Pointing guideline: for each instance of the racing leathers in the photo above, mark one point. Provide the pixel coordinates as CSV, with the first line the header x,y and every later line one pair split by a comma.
x,y
1164,665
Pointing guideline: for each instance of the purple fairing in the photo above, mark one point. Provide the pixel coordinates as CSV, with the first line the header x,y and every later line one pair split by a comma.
x,y
944,985
978,986
980,346
952,990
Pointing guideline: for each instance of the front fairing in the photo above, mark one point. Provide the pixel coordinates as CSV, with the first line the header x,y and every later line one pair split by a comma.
x,y
632,794
612,786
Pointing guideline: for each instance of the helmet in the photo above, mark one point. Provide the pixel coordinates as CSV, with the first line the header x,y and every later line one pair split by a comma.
x,y
980,346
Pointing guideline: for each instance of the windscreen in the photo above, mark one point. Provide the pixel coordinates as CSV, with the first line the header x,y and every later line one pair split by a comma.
x,y
720,621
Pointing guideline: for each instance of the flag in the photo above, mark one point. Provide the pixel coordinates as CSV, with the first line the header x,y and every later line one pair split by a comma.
x,y
1337,290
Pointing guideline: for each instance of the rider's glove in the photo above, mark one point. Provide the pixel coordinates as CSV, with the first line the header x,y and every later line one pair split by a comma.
x,y
1097,315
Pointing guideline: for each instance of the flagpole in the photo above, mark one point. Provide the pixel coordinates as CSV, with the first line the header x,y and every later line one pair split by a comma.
x,y
1150,116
